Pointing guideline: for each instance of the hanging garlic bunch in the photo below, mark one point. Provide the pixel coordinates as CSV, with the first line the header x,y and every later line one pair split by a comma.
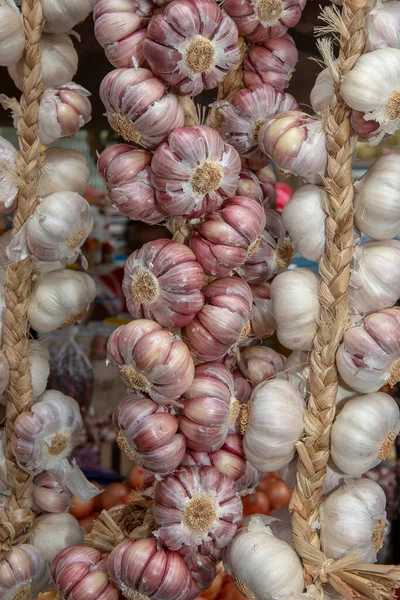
x,y
259,363
49,495
382,25
261,565
23,571
263,324
40,366
63,170
364,433
8,184
61,17
12,38
272,62
52,533
294,296
353,519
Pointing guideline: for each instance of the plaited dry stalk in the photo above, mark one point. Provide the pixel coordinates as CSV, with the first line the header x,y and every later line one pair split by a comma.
x,y
18,287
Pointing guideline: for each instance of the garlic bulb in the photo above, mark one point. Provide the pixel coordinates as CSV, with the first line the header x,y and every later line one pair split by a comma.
x,y
52,533
294,296
364,432
259,363
58,58
49,495
12,37
262,320
259,185
63,170
377,199
261,565
372,87
59,299
23,571
322,92
375,276
40,366
273,425
304,219
382,25
250,479
4,376
61,16
353,519
8,186
272,62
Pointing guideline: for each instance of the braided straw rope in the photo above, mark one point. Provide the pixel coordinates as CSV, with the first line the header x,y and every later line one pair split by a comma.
x,y
18,288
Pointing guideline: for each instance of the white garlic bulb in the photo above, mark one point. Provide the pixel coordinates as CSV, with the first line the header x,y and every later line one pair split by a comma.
x,y
63,170
363,433
59,61
261,565
353,519
344,393
294,297
274,425
59,227
375,277
12,38
8,187
382,25
322,92
304,220
53,532
62,15
59,299
40,366
377,199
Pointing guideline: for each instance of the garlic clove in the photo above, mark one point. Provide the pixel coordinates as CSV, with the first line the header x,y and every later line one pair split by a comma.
x,y
272,62
40,367
259,363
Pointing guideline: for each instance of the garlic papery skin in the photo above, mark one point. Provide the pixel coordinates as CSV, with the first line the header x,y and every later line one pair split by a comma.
x,y
197,507
24,573
260,20
4,376
63,111
58,59
304,219
250,186
49,495
377,199
296,142
267,178
273,425
261,565
61,17
40,367
8,186
194,171
151,360
322,92
52,533
226,238
372,87
353,519
138,107
375,276
12,38
223,322
250,479
140,569
382,26
243,389
294,297
59,227
162,281
364,432
262,319
63,170
259,363
148,434
80,571
271,62
248,110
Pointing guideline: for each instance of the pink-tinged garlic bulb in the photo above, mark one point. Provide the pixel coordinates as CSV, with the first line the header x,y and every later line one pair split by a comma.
x,y
272,62
263,324
127,175
369,356
260,20
209,408
229,459
259,363
228,237
24,573
250,186
140,570
248,110
49,495
243,389
192,45
247,483
162,281
80,571
12,38
147,433
267,179
63,111
194,171
139,108
296,142
223,322
151,360
8,186
197,507
119,29
366,130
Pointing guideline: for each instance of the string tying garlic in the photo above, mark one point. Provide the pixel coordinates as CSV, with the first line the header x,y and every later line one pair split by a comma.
x,y
12,38
63,170
52,533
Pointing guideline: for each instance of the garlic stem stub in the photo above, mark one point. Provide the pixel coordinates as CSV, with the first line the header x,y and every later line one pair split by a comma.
x,y
12,38
271,62
63,170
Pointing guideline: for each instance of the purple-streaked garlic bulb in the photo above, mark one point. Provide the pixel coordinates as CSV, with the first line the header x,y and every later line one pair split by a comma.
x,y
259,363
271,62
229,459
194,171
197,507
49,495
243,389
148,434
228,237
162,281
127,175
249,109
262,319
138,106
23,571
151,360
223,322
